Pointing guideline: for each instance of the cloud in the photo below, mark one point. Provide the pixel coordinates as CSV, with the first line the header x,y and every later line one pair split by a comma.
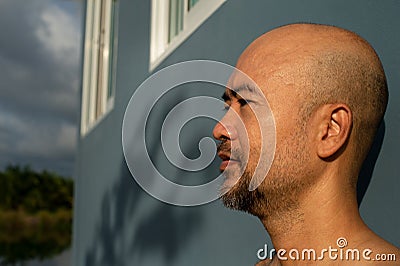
x,y
58,34
30,138
40,74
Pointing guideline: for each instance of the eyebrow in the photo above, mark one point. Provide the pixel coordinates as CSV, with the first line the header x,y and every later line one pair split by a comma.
x,y
226,97
235,91
245,87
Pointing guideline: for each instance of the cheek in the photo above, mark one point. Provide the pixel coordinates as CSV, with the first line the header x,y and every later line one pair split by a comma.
x,y
286,127
252,125
251,138
254,140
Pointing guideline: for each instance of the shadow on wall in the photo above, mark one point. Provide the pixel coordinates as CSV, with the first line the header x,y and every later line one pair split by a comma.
x,y
163,230
369,164
134,225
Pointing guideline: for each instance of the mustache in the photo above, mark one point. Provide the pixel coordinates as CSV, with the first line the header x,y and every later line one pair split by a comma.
x,y
233,152
224,146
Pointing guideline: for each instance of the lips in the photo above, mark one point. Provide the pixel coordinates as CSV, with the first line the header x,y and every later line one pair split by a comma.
x,y
226,159
224,156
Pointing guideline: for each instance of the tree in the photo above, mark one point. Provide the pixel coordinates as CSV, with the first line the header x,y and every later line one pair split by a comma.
x,y
35,214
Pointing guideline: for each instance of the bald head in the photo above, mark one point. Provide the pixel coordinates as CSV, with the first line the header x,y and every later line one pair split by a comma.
x,y
318,65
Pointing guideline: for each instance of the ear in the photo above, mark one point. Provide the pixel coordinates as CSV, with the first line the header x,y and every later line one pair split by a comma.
x,y
334,128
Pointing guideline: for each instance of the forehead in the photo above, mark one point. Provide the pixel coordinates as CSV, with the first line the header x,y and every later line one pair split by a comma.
x,y
278,68
270,82
280,85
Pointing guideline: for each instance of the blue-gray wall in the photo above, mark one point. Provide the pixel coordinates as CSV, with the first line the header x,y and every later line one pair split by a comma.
x,y
117,223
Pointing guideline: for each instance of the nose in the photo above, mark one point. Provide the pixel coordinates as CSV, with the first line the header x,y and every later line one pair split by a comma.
x,y
223,131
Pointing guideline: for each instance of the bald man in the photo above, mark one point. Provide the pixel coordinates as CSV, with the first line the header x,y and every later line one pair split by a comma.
x,y
327,91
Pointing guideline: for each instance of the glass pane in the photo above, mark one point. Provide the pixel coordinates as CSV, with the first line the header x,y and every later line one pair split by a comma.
x,y
99,107
191,3
176,8
111,61
90,53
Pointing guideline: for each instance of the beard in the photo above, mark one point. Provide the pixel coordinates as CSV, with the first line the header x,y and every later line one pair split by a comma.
x,y
286,181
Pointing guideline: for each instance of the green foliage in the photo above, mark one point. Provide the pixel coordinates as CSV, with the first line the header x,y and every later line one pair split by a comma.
x,y
23,188
35,214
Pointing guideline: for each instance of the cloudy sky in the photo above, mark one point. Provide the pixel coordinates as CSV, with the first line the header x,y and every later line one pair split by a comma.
x,y
40,51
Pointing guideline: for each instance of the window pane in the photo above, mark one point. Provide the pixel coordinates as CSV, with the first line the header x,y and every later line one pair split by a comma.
x,y
191,3
176,13
99,61
101,65
172,21
111,62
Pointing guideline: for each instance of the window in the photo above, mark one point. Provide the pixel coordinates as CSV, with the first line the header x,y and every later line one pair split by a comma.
x,y
172,21
99,62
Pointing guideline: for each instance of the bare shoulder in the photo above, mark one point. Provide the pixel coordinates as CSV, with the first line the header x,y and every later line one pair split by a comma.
x,y
382,252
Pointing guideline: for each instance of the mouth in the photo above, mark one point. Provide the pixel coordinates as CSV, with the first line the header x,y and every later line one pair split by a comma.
x,y
226,160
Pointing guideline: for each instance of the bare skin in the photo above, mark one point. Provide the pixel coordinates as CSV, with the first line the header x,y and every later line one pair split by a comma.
x,y
308,199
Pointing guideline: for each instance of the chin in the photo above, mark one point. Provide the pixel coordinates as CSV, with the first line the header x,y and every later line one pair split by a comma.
x,y
235,193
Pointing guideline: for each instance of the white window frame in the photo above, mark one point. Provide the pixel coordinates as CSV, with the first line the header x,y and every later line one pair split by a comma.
x,y
160,48
95,101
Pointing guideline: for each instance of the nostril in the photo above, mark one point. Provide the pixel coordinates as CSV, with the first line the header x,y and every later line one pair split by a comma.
x,y
223,132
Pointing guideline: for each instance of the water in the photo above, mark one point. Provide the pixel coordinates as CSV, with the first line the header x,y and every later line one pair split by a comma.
x,y
63,259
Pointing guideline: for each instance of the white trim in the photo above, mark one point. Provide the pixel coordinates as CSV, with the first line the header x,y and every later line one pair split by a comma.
x,y
110,106
192,20
106,52
86,67
159,28
95,101
94,62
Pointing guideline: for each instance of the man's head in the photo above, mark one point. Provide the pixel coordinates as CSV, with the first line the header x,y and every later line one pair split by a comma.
x,y
327,90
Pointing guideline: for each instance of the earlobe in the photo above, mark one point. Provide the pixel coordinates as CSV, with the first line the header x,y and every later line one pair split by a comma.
x,y
335,129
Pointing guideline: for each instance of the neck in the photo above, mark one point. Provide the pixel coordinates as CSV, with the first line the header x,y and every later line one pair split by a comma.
x,y
325,213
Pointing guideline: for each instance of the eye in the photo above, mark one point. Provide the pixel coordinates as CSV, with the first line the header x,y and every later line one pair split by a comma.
x,y
242,102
